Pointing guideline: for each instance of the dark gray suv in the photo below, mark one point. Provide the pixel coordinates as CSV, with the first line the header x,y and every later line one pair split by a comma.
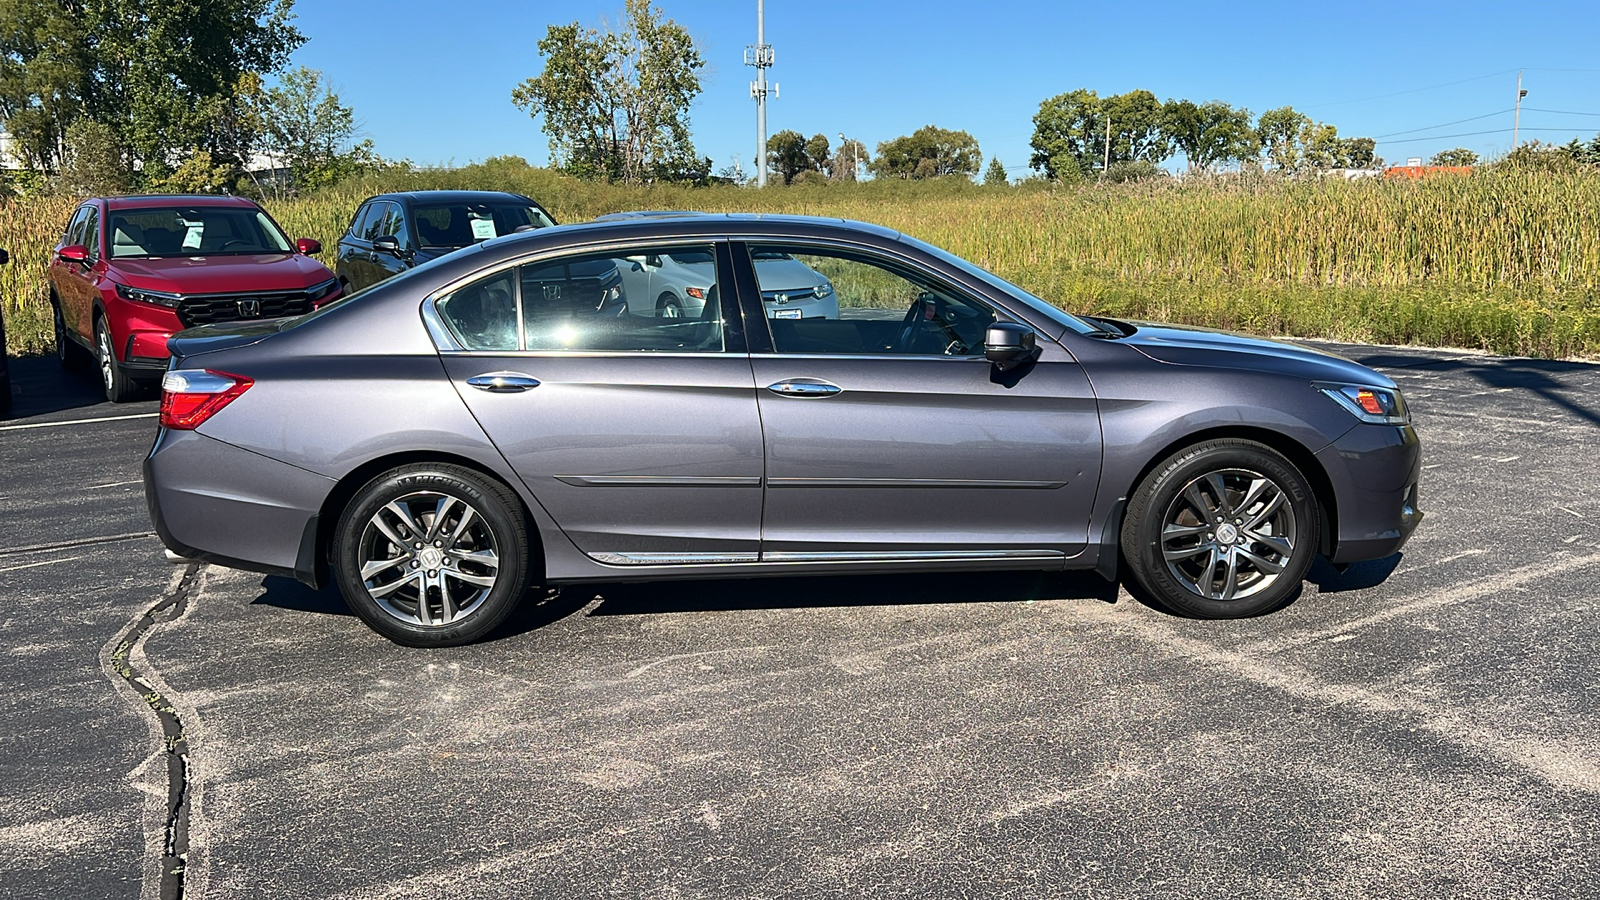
x,y
497,419
391,233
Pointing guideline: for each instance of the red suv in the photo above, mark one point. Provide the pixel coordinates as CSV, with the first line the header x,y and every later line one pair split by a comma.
x,y
132,271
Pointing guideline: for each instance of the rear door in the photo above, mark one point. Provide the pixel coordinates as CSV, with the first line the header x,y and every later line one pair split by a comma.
x,y
639,435
889,437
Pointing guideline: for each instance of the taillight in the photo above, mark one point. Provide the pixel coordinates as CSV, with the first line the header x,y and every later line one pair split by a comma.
x,y
191,396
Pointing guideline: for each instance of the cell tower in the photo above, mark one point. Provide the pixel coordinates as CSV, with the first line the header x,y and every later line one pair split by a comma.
x,y
760,55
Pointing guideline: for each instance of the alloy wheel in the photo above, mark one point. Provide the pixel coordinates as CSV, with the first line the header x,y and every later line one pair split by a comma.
x,y
108,373
1228,534
428,558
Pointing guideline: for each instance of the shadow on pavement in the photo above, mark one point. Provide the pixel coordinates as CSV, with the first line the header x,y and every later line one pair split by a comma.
x,y
286,593
1358,577
844,590
40,386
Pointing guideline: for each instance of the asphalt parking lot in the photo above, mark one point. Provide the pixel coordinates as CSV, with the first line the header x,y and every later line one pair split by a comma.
x,y
1420,727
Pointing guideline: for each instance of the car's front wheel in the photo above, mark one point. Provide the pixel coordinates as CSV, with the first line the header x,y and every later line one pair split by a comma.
x,y
432,555
119,387
668,307
1221,530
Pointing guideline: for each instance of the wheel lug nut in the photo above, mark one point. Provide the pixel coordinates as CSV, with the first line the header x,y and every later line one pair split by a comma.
x,y
419,546
438,543
432,572
415,564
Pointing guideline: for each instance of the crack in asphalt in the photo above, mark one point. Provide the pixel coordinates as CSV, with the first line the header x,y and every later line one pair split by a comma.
x,y
80,542
175,843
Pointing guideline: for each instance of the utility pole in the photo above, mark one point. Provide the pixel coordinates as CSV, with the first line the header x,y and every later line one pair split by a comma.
x,y
760,55
1107,166
1516,121
842,144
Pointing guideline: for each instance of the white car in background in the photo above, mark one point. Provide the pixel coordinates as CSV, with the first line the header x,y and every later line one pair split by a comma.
x,y
674,285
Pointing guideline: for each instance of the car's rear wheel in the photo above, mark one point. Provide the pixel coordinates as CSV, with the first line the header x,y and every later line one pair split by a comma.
x,y
1221,530
68,353
119,387
432,555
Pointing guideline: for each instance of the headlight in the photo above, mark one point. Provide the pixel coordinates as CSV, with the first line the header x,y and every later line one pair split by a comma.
x,y
1379,406
322,290
824,290
154,298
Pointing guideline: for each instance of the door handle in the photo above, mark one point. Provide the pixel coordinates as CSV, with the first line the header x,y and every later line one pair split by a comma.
x,y
503,382
804,387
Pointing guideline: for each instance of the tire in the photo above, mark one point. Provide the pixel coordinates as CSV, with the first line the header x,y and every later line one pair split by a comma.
x,y
468,581
119,387
68,353
1242,557
668,307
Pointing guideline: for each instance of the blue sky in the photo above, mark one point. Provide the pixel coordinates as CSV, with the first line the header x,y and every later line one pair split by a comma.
x,y
433,81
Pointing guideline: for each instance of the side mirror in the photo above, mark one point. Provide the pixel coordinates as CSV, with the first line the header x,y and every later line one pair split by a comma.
x,y
653,261
386,244
74,253
308,246
4,257
1010,346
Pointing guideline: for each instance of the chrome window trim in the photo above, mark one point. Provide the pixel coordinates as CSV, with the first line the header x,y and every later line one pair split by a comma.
x,y
878,356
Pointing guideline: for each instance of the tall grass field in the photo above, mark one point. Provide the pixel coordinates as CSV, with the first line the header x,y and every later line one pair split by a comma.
x,y
1505,261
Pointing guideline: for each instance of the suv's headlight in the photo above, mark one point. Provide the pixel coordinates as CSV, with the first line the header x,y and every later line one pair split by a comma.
x,y
1379,406
824,290
154,298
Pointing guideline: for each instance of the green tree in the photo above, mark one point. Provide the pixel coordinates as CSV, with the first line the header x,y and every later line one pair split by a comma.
x,y
818,156
995,176
156,72
616,104
928,152
1280,131
307,130
1069,132
786,155
95,160
1210,134
1460,156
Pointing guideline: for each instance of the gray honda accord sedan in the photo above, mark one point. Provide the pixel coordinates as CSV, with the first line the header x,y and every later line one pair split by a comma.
x,y
501,418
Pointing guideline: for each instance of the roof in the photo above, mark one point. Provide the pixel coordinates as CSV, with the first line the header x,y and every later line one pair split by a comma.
x,y
136,201
738,225
453,196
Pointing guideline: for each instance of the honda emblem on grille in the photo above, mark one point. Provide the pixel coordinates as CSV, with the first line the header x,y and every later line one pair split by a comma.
x,y
249,309
552,292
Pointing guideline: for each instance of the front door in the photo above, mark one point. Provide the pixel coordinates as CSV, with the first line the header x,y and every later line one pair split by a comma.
x,y
889,436
639,435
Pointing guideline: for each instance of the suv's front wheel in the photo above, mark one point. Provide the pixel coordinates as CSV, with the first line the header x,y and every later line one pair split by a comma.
x,y
119,387
432,555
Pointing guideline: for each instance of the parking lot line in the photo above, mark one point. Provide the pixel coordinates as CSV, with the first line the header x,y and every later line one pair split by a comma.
x,y
78,421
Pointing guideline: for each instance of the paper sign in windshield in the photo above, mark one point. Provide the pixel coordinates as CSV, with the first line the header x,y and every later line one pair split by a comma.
x,y
482,229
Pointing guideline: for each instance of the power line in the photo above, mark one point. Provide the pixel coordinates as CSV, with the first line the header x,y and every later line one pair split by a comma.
x,y
1561,112
1431,87
1500,112
1440,137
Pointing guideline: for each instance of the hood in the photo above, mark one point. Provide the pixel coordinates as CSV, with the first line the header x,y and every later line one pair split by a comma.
x,y
786,275
1189,346
262,272
210,338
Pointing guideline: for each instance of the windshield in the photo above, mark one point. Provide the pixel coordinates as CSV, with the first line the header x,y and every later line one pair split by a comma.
x,y
454,225
194,231
1054,313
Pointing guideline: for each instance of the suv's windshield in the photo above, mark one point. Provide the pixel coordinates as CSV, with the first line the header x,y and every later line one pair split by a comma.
x,y
194,231
462,224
